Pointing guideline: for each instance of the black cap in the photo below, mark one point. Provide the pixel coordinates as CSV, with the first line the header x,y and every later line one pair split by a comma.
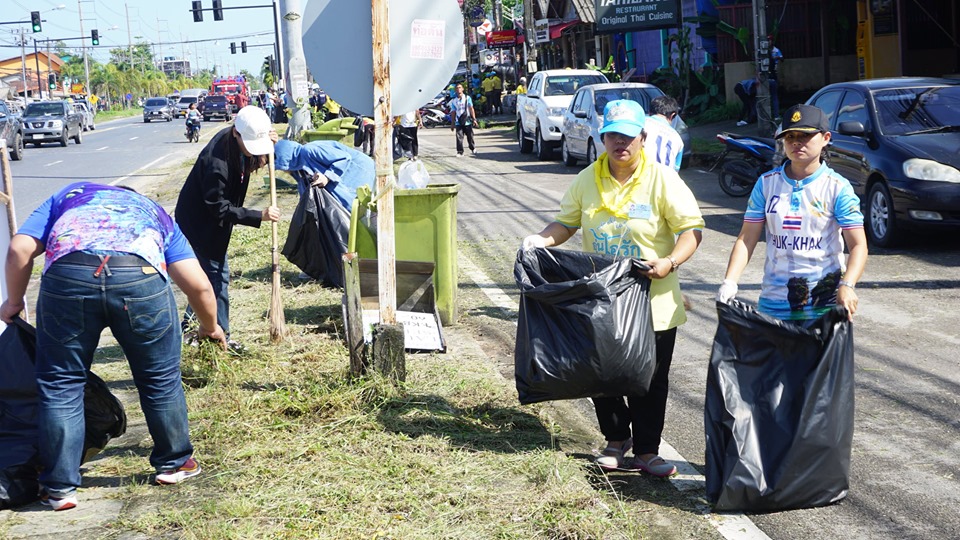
x,y
804,118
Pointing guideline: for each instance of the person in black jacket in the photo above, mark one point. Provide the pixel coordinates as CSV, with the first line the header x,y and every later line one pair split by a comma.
x,y
211,200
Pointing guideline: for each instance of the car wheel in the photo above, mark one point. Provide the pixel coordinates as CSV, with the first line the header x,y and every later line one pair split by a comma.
x,y
146,121
568,160
543,147
169,118
591,151
882,227
64,137
17,153
79,138
93,127
525,145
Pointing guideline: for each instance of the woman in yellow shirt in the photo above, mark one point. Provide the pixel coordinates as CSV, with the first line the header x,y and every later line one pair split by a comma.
x,y
631,206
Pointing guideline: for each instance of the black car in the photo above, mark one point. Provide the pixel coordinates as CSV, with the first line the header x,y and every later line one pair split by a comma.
x,y
157,108
11,131
215,105
898,142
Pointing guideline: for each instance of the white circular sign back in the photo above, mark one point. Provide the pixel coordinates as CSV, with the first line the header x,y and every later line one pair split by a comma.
x,y
426,43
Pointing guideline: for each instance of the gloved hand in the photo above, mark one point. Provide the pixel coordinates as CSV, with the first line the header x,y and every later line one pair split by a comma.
x,y
533,241
727,292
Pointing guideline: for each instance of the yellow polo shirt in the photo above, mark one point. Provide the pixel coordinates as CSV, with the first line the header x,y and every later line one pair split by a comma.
x,y
661,206
487,85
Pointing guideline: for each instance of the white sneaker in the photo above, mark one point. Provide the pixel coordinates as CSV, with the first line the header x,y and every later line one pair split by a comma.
x,y
742,123
59,503
188,470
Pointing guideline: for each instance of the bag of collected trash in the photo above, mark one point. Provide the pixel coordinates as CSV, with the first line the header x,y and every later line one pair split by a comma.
x,y
585,327
779,411
413,175
317,238
104,416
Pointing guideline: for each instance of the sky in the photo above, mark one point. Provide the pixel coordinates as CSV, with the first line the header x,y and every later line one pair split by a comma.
x,y
169,22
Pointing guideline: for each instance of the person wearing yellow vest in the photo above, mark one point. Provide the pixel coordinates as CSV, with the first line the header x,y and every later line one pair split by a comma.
x,y
631,206
487,87
496,106
332,108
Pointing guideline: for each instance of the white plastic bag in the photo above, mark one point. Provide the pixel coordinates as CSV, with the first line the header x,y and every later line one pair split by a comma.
x,y
413,175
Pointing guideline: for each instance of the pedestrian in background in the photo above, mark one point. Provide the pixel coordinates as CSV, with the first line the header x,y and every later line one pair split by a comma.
x,y
631,206
409,124
211,200
746,90
662,141
464,118
496,95
809,214
109,255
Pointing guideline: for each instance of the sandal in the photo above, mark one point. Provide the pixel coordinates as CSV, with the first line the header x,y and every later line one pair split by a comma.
x,y
612,459
656,466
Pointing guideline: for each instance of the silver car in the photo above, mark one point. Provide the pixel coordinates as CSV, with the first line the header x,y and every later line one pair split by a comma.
x,y
580,138
85,114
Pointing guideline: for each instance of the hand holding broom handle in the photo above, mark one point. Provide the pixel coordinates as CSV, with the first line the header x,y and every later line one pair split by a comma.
x,y
277,325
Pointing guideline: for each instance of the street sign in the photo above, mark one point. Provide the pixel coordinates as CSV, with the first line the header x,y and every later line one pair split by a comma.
x,y
636,15
129,96
541,29
426,43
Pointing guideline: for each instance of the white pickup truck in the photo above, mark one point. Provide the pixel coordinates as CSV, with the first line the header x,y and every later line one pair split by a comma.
x,y
540,110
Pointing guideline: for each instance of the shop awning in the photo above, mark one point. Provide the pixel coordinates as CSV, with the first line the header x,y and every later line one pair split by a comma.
x,y
557,29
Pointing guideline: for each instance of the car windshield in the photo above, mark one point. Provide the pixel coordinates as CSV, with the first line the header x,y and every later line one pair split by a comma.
x,y
907,111
566,85
188,100
640,95
157,102
216,99
43,109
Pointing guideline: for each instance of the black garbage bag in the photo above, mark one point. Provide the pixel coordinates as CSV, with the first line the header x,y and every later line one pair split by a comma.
x,y
585,327
19,448
318,236
779,411
104,416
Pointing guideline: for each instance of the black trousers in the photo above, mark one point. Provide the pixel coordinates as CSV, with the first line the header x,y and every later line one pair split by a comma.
x,y
468,132
645,413
409,141
749,110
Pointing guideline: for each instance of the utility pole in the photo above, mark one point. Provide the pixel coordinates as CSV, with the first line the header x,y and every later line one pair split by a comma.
x,y
126,9
83,49
388,341
23,64
297,87
761,45
529,41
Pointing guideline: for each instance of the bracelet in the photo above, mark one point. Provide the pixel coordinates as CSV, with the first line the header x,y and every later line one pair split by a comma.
x,y
845,283
673,263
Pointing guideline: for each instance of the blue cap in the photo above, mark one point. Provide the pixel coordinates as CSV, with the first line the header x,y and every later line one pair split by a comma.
x,y
623,116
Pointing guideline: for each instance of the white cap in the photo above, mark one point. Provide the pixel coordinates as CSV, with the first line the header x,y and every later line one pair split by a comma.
x,y
254,127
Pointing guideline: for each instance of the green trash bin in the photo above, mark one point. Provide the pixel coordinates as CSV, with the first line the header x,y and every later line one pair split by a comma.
x,y
425,222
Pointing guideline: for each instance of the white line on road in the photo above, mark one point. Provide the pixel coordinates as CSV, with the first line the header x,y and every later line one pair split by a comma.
x,y
122,178
733,526
134,138
102,148
54,163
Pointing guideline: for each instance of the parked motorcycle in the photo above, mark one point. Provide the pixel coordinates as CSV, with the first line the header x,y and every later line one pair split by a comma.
x,y
433,117
193,132
751,157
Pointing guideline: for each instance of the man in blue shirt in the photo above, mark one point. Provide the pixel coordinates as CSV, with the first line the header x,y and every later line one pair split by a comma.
x,y
109,255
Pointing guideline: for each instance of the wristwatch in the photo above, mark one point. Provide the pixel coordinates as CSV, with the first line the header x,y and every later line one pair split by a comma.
x,y
845,283
673,263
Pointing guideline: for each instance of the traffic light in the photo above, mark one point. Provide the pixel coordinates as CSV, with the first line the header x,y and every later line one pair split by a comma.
x,y
233,48
95,37
35,21
243,46
52,81
218,10
197,11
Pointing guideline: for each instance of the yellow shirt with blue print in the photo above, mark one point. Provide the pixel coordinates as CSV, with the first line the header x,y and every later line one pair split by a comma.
x,y
661,207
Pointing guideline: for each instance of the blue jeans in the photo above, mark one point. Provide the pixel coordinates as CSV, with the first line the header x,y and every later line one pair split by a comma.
x,y
218,272
72,310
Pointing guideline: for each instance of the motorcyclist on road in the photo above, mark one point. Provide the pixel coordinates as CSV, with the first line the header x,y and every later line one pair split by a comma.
x,y
193,116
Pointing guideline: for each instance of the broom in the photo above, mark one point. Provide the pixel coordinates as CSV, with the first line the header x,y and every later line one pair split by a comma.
x,y
277,325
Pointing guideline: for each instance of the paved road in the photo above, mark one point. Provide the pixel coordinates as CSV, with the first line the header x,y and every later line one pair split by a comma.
x,y
120,150
905,478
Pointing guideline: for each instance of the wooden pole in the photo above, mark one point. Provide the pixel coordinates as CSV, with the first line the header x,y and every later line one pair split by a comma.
x,y
7,195
388,341
354,315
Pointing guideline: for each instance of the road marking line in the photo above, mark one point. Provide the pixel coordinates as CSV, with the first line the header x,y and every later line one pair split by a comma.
x,y
134,138
122,178
102,148
733,526
54,163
